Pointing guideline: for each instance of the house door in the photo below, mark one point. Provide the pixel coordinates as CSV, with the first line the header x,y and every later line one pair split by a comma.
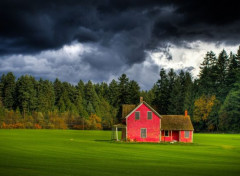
x,y
175,135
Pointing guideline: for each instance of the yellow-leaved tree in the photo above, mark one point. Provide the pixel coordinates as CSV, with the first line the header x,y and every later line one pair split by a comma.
x,y
94,122
203,107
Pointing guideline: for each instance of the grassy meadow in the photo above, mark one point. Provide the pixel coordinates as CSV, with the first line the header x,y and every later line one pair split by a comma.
x,y
69,152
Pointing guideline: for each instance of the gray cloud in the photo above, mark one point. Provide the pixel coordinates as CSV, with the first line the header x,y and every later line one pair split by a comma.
x,y
118,33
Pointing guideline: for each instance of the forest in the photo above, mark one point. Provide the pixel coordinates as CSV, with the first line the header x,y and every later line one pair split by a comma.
x,y
212,99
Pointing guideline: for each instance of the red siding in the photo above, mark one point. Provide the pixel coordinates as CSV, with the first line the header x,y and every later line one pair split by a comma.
x,y
166,138
182,136
152,126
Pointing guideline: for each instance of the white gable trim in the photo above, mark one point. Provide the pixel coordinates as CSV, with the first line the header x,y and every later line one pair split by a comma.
x,y
147,106
134,110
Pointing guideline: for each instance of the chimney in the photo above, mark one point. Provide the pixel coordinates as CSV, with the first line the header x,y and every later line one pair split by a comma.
x,y
141,99
186,113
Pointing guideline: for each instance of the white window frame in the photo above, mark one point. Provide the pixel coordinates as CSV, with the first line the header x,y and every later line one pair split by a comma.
x,y
141,133
165,133
151,115
135,115
185,134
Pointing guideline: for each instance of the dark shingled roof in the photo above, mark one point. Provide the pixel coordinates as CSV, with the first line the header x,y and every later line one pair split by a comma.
x,y
127,108
176,122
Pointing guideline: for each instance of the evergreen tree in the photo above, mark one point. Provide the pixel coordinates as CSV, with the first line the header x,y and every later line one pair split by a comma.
x,y
171,78
80,87
80,101
149,96
26,94
102,90
57,90
230,110
91,98
232,72
162,95
45,96
238,59
113,93
8,90
124,96
222,65
1,87
67,95
188,94
176,101
134,92
208,74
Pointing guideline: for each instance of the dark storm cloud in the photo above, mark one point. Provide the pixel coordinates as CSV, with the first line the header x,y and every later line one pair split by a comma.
x,y
121,31
28,26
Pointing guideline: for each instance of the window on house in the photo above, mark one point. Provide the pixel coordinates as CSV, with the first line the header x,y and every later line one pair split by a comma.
x,y
149,115
186,134
143,132
166,133
137,115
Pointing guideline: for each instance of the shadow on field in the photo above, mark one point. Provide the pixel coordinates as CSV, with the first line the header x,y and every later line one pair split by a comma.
x,y
149,143
98,140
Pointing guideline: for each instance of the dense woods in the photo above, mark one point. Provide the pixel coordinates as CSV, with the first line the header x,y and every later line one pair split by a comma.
x,y
212,99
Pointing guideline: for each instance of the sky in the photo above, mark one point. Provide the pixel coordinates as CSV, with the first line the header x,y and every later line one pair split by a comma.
x,y
99,40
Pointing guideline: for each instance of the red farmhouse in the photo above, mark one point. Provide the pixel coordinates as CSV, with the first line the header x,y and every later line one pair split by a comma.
x,y
144,124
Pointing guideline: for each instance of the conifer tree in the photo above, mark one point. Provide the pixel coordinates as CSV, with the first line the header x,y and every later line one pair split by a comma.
x,y
232,73
176,102
8,90
26,94
113,93
222,65
79,101
91,98
230,111
208,74
134,92
45,96
162,94
57,90
124,97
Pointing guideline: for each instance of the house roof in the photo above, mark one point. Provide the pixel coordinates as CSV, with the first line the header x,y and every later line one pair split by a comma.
x,y
127,108
176,122
134,109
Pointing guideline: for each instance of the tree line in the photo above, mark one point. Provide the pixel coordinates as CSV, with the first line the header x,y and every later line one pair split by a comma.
x,y
29,103
212,99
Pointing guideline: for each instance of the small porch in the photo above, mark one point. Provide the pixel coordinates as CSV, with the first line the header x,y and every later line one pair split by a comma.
x,y
118,132
170,135
177,136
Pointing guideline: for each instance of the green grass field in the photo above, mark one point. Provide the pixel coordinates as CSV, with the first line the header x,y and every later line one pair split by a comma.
x,y
68,152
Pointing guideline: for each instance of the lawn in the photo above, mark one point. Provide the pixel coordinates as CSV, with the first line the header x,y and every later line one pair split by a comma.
x,y
69,152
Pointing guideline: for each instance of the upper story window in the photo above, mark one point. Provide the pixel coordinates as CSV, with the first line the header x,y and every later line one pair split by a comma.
x,y
186,134
149,115
137,115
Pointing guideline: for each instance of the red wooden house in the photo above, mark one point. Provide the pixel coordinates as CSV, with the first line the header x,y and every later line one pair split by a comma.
x,y
144,124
